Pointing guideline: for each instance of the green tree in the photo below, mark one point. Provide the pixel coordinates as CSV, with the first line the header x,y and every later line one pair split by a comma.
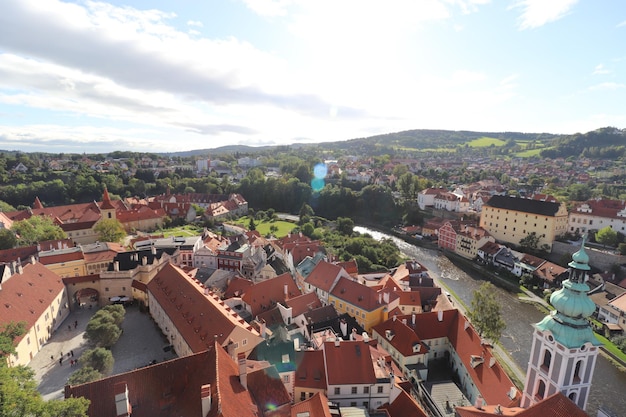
x,y
530,242
606,236
102,329
485,313
345,226
7,239
110,230
18,389
36,229
99,359
5,207
84,375
251,224
117,312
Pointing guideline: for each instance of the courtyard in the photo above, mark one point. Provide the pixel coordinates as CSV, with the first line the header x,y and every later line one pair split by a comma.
x,y
141,343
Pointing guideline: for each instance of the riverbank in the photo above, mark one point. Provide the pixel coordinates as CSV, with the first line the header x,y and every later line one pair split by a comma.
x,y
479,272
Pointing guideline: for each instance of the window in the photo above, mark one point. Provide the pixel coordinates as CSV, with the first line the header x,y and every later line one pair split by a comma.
x,y
353,391
302,396
337,390
352,403
366,390
577,372
286,379
106,289
541,390
380,389
547,358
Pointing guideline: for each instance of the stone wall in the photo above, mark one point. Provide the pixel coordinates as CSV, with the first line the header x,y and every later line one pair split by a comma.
x,y
597,258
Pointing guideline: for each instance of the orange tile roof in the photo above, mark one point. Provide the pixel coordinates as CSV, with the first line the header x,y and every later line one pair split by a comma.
x,y
316,406
310,371
174,386
266,294
268,389
359,295
348,362
196,313
27,296
323,276
402,337
303,303
556,405
404,405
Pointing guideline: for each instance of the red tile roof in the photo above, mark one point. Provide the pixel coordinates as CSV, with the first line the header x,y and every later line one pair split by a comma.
x,y
404,405
196,313
266,294
402,337
27,296
57,258
237,287
310,371
173,388
323,276
303,303
348,362
268,390
556,405
356,294
316,406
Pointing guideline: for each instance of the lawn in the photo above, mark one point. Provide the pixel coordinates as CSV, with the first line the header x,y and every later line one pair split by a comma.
x,y
485,142
263,227
184,231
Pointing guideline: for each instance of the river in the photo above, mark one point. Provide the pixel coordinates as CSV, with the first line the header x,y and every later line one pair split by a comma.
x,y
609,384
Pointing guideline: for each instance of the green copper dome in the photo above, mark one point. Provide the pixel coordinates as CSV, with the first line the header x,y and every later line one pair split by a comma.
x,y
568,323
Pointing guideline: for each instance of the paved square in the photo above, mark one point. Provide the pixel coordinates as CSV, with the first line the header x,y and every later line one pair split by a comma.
x,y
141,342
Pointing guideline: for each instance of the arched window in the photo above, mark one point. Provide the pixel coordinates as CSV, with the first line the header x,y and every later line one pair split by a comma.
x,y
547,358
541,390
577,372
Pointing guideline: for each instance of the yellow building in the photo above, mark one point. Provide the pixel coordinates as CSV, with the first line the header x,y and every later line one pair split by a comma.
x,y
511,219
469,239
68,262
363,303
36,296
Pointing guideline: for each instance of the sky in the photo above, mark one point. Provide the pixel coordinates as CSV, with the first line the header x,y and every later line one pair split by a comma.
x,y
166,75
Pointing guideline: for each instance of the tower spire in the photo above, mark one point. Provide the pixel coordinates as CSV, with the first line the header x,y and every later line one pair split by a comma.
x,y
564,350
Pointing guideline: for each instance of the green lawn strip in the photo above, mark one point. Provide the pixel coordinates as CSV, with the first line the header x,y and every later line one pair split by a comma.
x,y
263,227
485,141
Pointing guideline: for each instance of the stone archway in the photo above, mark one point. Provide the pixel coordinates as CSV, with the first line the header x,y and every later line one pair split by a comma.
x,y
86,297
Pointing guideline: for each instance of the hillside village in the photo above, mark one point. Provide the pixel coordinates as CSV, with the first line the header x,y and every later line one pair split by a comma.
x,y
231,301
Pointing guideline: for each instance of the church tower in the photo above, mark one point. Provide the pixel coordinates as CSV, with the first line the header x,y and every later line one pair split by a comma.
x,y
107,209
564,348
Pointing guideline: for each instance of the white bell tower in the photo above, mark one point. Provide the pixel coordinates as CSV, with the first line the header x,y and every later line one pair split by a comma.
x,y
564,348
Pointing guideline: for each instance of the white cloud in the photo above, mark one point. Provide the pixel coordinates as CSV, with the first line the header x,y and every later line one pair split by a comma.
x,y
269,8
607,86
195,23
600,70
621,24
536,13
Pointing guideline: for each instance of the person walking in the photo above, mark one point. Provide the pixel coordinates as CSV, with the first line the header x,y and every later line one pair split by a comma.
x,y
61,361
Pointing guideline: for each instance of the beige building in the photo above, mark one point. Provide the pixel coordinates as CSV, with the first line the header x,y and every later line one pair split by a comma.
x,y
36,296
67,262
511,219
469,239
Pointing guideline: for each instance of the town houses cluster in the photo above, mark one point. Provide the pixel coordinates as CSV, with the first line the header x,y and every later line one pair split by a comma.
x,y
277,327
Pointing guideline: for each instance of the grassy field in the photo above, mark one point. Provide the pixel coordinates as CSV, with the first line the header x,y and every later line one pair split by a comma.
x,y
485,142
263,227
184,231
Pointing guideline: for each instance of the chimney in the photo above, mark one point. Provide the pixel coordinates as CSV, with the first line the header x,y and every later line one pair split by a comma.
x,y
380,298
263,329
243,372
153,250
286,291
337,341
32,260
205,398
116,266
20,269
413,319
122,403
440,315
144,260
479,402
